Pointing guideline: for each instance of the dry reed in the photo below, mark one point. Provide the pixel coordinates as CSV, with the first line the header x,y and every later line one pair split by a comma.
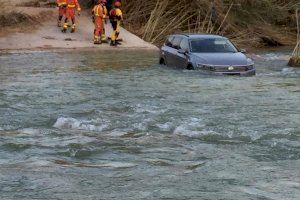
x,y
241,20
10,17
295,59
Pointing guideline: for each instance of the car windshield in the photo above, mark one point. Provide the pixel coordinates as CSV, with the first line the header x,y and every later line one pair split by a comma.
x,y
212,45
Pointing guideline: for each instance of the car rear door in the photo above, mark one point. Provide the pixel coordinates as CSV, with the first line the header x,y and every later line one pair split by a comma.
x,y
174,51
167,49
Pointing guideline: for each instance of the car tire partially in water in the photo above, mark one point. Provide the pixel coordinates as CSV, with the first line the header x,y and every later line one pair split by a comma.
x,y
162,61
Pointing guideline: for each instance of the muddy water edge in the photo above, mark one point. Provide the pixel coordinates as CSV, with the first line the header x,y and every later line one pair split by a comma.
x,y
115,125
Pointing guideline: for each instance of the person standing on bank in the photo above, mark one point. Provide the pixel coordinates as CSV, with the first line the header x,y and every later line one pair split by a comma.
x,y
62,6
98,16
116,16
70,15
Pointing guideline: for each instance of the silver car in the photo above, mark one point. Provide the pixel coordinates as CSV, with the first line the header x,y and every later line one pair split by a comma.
x,y
206,53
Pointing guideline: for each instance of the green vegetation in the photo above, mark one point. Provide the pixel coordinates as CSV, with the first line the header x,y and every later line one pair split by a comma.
x,y
255,22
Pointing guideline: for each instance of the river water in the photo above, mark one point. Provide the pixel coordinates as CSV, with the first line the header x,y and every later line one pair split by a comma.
x,y
115,125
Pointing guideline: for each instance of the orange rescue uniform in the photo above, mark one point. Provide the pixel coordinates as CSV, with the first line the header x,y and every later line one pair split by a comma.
x,y
98,17
70,14
71,6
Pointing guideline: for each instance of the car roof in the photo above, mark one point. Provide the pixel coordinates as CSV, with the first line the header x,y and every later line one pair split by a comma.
x,y
198,35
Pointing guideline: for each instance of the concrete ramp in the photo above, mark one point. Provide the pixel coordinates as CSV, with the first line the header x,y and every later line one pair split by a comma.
x,y
49,36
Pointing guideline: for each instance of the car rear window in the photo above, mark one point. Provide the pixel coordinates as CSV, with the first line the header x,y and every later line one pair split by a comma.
x,y
169,41
176,42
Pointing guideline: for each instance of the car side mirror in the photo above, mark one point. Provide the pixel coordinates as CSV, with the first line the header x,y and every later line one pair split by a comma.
x,y
243,51
182,51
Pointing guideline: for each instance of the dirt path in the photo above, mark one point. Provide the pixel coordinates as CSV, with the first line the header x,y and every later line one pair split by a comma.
x,y
49,36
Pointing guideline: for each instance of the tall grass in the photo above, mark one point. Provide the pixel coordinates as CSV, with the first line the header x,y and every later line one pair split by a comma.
x,y
10,17
295,59
244,21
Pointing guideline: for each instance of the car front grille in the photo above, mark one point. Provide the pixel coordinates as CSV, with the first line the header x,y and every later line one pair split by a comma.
x,y
225,68
230,68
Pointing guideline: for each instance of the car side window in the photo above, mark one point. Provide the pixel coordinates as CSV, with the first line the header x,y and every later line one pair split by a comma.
x,y
176,42
184,45
169,41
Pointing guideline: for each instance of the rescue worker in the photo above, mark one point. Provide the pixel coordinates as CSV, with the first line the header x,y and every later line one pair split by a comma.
x,y
105,16
98,17
62,5
70,14
116,17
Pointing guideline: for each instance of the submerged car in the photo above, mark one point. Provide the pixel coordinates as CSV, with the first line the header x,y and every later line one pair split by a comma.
x,y
206,53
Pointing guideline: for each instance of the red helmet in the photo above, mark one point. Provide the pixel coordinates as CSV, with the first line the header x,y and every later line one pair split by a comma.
x,y
117,4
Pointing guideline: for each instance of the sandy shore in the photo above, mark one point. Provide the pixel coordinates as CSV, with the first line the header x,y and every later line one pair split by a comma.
x,y
46,35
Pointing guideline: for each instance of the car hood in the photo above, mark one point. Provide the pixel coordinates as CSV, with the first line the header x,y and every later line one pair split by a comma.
x,y
220,58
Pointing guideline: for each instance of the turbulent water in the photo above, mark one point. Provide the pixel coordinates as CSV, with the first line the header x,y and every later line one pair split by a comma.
x,y
115,125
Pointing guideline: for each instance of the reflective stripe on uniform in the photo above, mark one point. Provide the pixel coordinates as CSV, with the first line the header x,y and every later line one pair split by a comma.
x,y
61,3
73,4
97,10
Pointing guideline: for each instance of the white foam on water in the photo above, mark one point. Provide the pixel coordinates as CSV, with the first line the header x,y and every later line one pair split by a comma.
x,y
119,165
165,127
258,192
289,71
107,165
292,184
255,56
72,123
29,131
7,128
191,128
117,133
148,109
140,126
40,163
271,189
194,127
65,141
257,135
143,125
271,57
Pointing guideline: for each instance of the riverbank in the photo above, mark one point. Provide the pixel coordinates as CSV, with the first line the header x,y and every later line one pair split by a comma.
x,y
42,33
36,30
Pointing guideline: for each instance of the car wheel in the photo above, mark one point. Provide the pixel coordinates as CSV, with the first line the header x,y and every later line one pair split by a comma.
x,y
162,61
190,67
